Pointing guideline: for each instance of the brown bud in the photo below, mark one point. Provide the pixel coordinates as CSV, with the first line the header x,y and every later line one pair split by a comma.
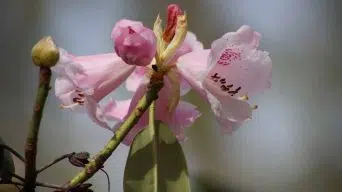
x,y
79,159
45,53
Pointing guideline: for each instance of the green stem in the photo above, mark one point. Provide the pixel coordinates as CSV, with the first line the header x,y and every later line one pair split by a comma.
x,y
97,162
32,136
155,137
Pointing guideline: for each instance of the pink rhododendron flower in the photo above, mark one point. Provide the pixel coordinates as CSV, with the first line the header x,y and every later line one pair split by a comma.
x,y
133,42
177,114
184,114
83,81
226,74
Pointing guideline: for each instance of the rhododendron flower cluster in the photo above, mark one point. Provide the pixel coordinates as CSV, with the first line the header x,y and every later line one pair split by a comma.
x,y
225,75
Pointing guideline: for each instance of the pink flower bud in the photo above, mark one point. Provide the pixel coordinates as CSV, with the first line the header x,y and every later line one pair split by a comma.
x,y
134,43
173,11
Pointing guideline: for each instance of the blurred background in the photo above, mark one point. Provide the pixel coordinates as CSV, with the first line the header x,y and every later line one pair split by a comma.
x,y
293,142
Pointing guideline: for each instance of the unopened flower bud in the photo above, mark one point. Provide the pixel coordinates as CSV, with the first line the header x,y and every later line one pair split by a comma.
x,y
79,159
173,12
45,53
134,43
178,38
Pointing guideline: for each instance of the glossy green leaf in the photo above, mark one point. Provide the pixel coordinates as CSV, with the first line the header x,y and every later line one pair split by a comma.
x,y
6,164
165,173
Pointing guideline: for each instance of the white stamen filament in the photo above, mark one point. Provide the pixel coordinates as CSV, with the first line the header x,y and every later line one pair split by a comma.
x,y
69,106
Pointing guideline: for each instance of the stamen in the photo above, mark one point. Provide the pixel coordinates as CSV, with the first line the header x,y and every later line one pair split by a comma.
x,y
244,98
254,107
68,106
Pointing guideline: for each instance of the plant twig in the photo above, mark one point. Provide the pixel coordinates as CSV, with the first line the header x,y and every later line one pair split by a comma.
x,y
18,177
108,180
32,136
14,152
55,161
97,162
40,184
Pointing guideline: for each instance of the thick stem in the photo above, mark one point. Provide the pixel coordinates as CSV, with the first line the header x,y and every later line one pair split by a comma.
x,y
32,136
97,162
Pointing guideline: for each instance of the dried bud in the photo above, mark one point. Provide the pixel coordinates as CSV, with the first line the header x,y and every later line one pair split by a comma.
x,y
45,53
79,159
173,12
134,43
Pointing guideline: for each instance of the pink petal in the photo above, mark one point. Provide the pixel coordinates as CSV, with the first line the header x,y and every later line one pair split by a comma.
x,y
84,80
227,126
237,67
193,68
244,35
63,86
184,116
99,73
96,114
102,73
190,44
116,110
228,108
134,80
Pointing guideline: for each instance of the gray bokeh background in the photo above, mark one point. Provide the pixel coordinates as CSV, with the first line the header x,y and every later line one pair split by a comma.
x,y
292,144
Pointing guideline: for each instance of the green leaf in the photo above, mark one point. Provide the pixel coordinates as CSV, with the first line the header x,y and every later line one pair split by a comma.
x,y
165,172
6,164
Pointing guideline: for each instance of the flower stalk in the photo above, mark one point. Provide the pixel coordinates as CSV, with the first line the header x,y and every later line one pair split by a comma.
x,y
97,162
32,136
155,136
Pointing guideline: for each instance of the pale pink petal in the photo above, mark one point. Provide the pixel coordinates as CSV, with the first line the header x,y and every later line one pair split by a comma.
x,y
63,86
228,108
185,87
189,44
116,110
183,117
193,68
101,73
134,80
96,114
244,35
237,68
227,126
82,81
